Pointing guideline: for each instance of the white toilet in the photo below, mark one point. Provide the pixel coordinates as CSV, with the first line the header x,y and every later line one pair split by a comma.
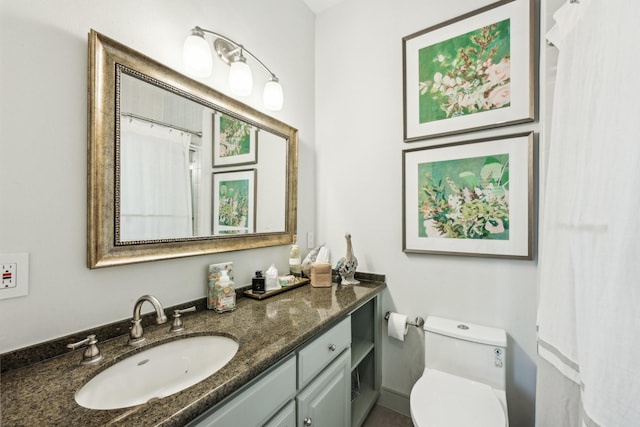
x,y
463,383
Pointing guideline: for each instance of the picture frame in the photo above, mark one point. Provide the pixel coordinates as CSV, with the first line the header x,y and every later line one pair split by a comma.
x,y
473,72
471,198
234,202
234,141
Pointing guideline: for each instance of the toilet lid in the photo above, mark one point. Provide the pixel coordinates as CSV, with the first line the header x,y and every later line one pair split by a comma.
x,y
439,399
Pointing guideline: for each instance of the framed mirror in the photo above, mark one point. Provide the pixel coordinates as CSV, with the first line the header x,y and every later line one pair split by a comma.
x,y
176,168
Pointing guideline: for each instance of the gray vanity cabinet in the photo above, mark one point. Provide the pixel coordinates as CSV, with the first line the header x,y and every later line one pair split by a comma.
x,y
331,381
343,393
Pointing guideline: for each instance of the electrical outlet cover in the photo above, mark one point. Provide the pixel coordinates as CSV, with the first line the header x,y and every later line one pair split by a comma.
x,y
8,279
15,275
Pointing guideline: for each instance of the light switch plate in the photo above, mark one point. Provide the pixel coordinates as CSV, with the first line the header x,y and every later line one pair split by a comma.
x,y
14,281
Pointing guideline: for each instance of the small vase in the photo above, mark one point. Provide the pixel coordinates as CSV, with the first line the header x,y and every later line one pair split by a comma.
x,y
347,265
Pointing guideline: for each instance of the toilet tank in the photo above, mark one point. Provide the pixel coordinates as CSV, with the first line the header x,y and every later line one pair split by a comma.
x,y
467,350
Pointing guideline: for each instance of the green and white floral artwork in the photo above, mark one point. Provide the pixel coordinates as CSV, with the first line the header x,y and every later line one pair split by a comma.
x,y
234,202
234,141
470,73
464,198
473,198
466,74
235,136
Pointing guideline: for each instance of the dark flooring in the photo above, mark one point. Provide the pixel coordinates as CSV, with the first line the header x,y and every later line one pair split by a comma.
x,y
384,417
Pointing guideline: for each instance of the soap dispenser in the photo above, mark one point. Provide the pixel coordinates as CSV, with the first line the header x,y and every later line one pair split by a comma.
x,y
224,294
257,283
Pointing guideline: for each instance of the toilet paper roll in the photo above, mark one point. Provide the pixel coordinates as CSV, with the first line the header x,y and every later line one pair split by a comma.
x,y
398,326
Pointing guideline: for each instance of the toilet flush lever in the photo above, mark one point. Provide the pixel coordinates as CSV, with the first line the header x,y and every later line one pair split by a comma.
x,y
498,357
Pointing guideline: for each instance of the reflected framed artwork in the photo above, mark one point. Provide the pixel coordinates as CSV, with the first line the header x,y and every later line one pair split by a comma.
x,y
473,198
473,72
234,141
234,202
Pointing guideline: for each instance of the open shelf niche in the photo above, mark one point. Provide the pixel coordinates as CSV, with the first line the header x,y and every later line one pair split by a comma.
x,y
366,366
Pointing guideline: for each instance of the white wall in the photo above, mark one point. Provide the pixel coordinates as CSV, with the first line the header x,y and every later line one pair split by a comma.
x,y
43,116
359,185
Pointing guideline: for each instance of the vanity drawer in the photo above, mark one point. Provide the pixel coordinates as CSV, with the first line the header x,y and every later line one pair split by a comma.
x,y
319,353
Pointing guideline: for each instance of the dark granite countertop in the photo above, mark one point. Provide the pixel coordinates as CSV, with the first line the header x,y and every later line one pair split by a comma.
x,y
42,393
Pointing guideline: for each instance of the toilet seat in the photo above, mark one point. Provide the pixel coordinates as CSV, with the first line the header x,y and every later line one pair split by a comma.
x,y
439,399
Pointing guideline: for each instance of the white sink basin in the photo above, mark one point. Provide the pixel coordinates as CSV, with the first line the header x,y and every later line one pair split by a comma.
x,y
157,372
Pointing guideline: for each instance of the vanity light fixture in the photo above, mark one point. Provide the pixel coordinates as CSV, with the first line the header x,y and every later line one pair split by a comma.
x,y
198,62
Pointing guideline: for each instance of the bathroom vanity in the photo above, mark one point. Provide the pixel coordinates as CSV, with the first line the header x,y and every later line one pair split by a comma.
x,y
310,356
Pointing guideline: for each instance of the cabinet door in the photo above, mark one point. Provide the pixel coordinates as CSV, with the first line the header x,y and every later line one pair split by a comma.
x,y
285,418
326,401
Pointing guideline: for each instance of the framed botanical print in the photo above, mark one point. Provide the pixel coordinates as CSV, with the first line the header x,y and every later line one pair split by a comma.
x,y
234,141
472,198
473,72
234,202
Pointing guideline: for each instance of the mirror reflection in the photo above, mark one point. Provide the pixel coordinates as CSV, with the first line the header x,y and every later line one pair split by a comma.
x,y
187,170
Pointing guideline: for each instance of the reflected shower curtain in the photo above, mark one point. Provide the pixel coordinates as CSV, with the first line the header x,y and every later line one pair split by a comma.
x,y
589,276
155,195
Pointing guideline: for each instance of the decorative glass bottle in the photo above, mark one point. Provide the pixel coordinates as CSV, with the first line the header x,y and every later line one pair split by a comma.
x,y
295,262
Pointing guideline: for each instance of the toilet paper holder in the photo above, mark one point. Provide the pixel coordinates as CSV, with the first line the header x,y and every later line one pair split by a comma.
x,y
419,320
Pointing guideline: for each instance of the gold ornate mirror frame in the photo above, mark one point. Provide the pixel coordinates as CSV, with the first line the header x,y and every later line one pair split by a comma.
x,y
103,249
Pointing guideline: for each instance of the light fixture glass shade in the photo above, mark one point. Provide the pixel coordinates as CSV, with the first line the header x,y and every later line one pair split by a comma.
x,y
240,78
272,97
196,55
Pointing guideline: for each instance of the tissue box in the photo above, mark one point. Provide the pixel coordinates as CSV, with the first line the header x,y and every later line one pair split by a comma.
x,y
320,275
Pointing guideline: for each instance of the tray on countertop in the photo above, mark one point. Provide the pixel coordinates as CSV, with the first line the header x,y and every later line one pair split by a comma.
x,y
299,282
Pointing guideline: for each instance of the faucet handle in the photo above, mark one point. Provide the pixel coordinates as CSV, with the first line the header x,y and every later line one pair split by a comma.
x,y
92,353
178,325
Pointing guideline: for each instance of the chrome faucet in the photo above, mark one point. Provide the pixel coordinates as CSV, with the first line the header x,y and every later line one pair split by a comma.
x,y
136,331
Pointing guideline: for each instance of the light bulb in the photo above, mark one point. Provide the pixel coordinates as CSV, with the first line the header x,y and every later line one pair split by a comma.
x,y
196,55
240,78
272,97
